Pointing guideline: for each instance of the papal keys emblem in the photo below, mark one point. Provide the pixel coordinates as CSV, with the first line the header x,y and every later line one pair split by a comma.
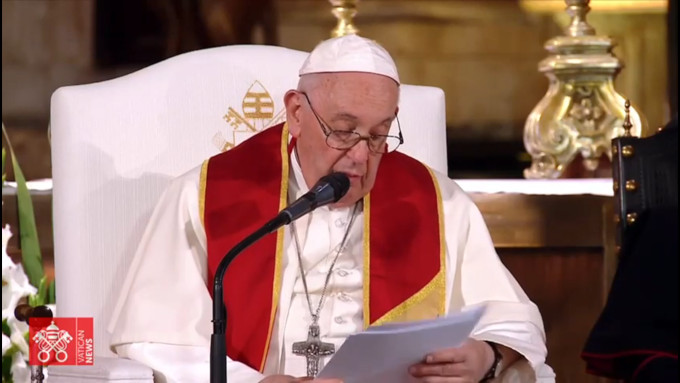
x,y
258,111
51,339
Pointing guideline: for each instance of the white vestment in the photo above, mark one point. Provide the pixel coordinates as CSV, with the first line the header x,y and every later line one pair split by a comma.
x,y
163,316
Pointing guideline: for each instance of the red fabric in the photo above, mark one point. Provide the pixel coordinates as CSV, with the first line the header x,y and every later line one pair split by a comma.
x,y
405,238
242,193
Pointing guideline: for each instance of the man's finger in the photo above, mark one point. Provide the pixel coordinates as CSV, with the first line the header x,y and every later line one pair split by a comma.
x,y
443,379
441,369
449,355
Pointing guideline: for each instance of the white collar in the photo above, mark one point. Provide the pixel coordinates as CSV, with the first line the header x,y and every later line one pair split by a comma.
x,y
296,181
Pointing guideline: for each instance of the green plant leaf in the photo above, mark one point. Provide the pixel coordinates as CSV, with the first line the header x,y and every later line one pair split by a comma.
x,y
41,297
6,368
52,293
33,300
7,363
5,328
28,233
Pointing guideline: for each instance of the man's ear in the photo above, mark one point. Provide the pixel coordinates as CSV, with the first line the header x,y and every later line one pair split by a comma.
x,y
293,103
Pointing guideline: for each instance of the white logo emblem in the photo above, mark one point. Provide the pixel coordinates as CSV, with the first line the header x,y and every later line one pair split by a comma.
x,y
52,339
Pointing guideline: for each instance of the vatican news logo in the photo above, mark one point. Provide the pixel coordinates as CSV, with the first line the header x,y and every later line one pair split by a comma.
x,y
61,342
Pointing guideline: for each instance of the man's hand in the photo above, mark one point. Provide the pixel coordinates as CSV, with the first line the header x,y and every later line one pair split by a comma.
x,y
292,379
468,363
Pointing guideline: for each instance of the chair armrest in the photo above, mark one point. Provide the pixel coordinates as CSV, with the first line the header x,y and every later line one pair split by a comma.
x,y
105,369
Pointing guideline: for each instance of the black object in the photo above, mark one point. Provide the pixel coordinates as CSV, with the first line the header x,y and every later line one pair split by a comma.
x,y
328,189
636,336
24,312
645,172
497,358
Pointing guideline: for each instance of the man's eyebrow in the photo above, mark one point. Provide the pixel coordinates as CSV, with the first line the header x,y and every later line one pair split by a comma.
x,y
350,117
344,116
389,120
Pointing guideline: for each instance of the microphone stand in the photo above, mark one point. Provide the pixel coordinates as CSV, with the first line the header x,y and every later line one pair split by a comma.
x,y
24,312
218,347
328,189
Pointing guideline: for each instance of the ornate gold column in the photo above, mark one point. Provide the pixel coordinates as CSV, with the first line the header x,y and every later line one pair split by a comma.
x,y
344,11
581,111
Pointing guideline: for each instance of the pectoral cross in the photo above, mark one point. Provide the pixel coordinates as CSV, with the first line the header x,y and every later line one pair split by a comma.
x,y
313,348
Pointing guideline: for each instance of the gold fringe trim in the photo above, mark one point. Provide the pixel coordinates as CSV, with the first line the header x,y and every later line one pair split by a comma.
x,y
425,304
442,240
280,234
201,191
367,260
430,301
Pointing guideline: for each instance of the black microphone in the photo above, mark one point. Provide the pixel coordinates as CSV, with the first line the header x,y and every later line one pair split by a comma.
x,y
328,189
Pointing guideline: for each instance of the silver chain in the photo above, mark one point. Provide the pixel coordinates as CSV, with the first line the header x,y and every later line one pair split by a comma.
x,y
315,315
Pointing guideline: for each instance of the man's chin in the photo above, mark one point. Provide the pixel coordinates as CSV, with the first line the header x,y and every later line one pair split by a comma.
x,y
349,199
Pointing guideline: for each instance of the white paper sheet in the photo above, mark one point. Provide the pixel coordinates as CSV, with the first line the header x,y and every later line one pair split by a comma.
x,y
384,353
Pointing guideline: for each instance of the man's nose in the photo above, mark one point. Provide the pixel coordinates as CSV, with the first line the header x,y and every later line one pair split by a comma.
x,y
359,152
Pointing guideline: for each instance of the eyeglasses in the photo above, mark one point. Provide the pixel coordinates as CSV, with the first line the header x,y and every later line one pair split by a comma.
x,y
343,139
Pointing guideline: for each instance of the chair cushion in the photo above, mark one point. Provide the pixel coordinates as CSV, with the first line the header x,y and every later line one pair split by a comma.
x,y
105,369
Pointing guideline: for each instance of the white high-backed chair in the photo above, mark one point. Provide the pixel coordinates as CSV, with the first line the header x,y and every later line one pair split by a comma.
x,y
117,144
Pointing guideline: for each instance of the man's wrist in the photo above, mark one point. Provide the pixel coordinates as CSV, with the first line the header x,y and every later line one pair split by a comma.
x,y
495,368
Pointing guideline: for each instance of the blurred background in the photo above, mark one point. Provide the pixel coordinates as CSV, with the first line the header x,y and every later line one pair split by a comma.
x,y
482,53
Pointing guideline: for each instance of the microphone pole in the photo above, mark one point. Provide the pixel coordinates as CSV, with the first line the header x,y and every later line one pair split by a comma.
x,y
328,189
218,347
24,313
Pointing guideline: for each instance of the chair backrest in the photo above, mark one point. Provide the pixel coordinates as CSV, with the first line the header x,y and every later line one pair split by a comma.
x,y
645,173
117,144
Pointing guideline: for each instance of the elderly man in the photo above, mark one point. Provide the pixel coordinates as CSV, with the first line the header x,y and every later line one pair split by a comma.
x,y
404,243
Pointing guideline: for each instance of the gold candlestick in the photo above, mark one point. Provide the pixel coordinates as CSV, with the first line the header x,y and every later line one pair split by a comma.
x,y
581,111
344,11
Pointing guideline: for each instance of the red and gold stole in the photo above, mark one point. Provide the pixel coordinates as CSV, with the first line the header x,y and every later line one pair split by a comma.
x,y
404,252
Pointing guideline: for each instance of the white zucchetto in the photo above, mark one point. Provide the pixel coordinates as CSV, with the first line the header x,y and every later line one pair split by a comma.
x,y
350,53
